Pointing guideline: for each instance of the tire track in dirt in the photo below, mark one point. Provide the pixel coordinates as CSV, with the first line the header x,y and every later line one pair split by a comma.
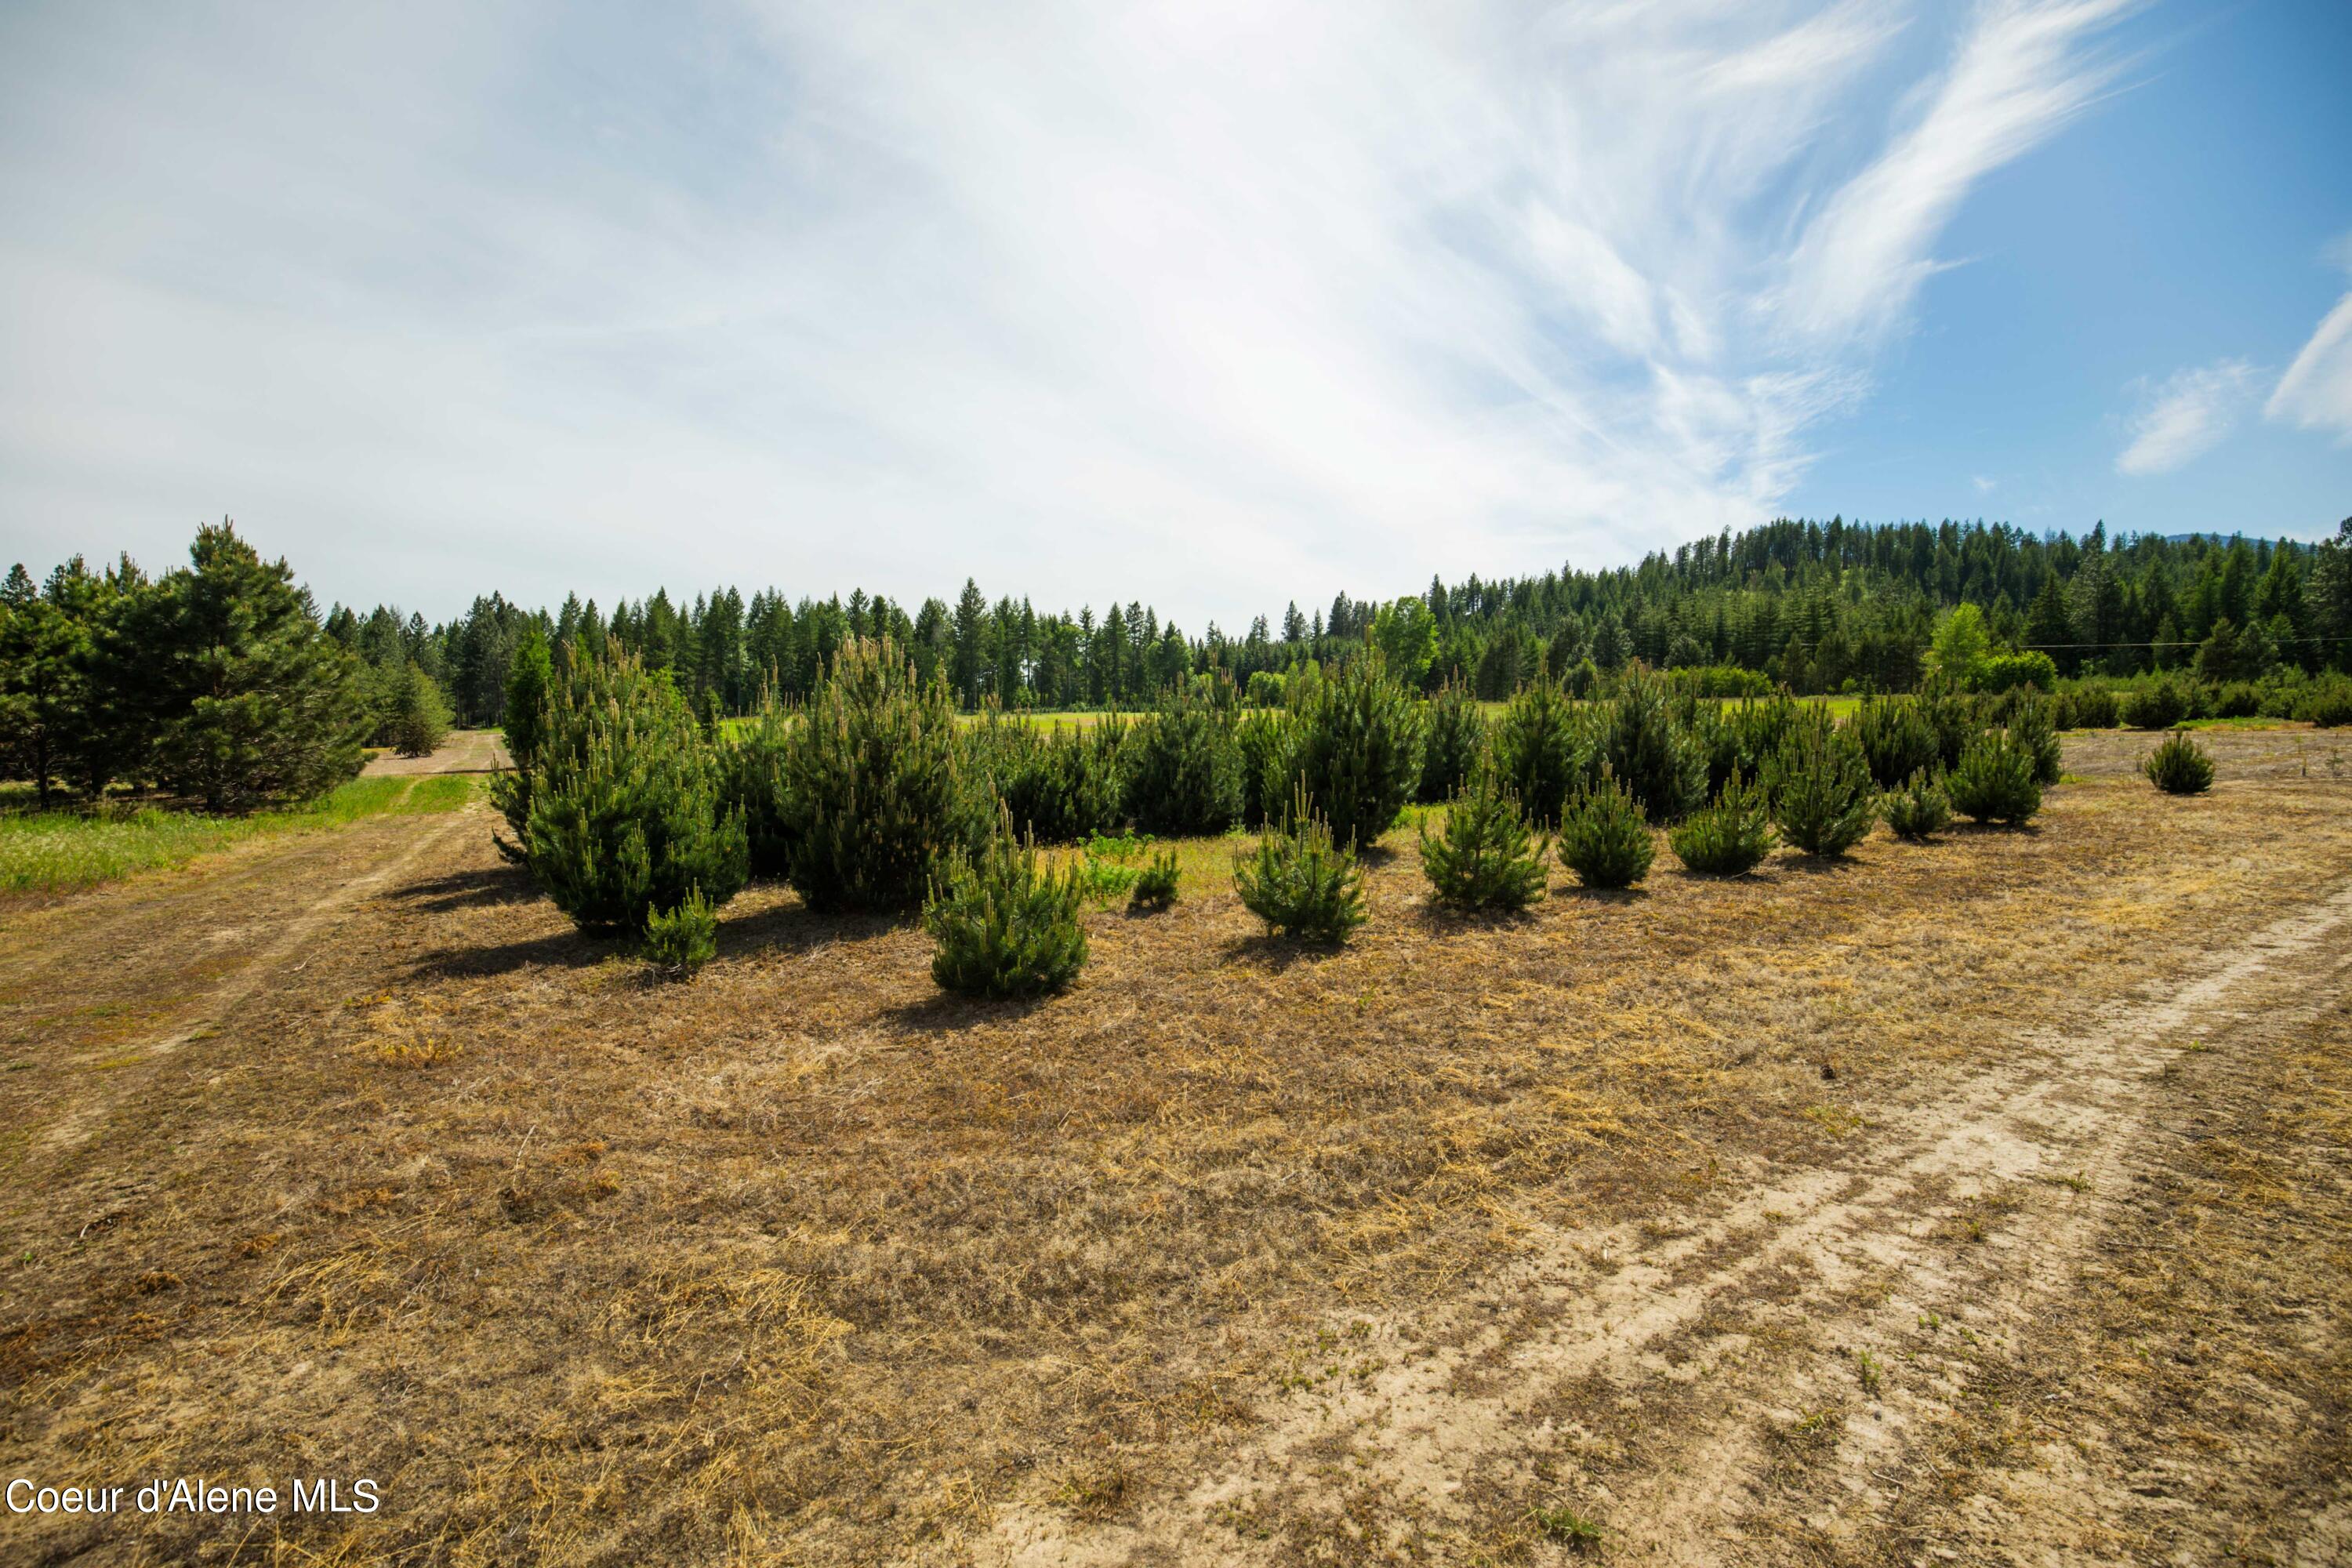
x,y
261,961
1459,1394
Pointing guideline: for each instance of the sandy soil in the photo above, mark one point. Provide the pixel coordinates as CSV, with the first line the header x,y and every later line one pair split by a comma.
x,y
464,752
1985,1203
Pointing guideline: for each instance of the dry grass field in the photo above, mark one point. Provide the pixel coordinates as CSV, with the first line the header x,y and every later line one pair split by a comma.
x,y
1984,1202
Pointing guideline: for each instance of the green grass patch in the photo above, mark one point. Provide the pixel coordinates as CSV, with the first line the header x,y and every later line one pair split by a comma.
x,y
65,851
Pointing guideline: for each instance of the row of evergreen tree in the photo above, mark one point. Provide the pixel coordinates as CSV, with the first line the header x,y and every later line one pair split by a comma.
x,y
1814,606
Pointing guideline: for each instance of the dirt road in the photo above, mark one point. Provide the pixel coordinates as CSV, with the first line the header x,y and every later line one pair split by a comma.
x,y
464,752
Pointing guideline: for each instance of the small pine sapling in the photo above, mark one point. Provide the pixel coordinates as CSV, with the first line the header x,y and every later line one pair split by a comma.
x,y
1298,881
1823,794
1155,882
2179,766
1003,924
2034,727
1604,838
1730,837
1485,858
1919,810
680,942
1995,781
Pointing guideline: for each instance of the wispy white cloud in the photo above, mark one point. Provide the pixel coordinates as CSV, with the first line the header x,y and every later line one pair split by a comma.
x,y
2315,392
1227,301
2185,416
1984,485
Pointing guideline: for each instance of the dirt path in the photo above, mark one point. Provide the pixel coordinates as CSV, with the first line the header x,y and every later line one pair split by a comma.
x,y
464,752
1783,1371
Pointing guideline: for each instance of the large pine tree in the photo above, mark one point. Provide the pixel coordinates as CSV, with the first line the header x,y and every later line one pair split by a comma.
x,y
224,663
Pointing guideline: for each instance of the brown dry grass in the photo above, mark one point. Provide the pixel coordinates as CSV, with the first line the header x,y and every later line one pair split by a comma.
x,y
806,1262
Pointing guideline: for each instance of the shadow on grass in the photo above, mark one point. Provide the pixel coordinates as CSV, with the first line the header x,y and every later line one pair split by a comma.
x,y
463,890
1579,893
569,948
791,927
1441,918
1278,953
1995,830
946,1012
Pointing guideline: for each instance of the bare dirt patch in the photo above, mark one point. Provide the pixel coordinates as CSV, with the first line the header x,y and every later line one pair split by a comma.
x,y
1440,1247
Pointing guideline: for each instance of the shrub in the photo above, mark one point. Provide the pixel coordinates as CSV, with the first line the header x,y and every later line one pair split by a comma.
x,y
2179,766
1299,882
1455,739
1485,858
875,792
2009,671
1542,750
2237,700
2091,708
1264,688
680,942
1183,767
1729,837
1155,883
1995,781
2159,705
625,815
2031,727
2327,703
1720,680
1359,751
1896,739
1002,924
1653,754
1823,794
1919,810
1604,838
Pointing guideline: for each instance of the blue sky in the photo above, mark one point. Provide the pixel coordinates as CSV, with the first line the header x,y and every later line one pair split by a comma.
x,y
1219,305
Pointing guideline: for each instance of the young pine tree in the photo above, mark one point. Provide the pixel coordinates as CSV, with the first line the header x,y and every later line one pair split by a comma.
x,y
1003,924
1543,750
1730,837
1655,755
2032,725
626,819
1896,738
1454,744
1919,810
1299,880
1182,766
1359,751
1822,795
874,791
1603,837
1484,859
2179,766
419,713
1995,781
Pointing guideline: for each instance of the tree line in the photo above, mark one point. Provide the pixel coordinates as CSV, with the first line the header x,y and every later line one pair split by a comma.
x,y
1819,607
220,680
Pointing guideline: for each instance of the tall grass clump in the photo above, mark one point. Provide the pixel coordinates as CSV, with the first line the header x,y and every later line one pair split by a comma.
x,y
1603,837
1183,767
1652,753
874,789
1730,837
625,814
2179,765
680,942
1919,810
1359,751
1299,880
1453,745
1823,794
1542,750
1995,780
1002,924
1485,858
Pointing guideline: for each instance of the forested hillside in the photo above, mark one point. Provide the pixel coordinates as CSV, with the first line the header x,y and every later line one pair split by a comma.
x,y
1819,607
